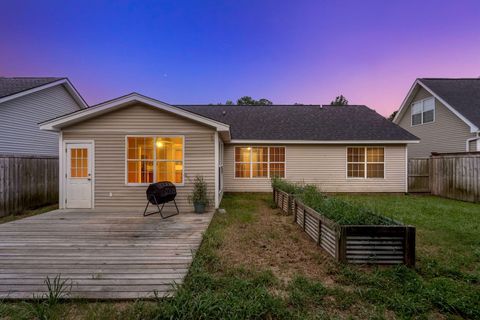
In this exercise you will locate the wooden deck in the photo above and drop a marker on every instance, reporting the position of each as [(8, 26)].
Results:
[(104, 254)]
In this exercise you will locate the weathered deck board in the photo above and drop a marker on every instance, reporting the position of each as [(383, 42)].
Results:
[(104, 254)]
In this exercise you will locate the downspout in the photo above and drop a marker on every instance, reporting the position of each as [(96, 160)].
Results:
[(472, 139)]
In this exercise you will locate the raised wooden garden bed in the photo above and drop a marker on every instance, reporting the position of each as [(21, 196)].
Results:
[(360, 244)]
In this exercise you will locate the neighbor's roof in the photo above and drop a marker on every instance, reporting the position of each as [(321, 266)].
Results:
[(462, 94), (12, 88), (303, 122), (9, 86)]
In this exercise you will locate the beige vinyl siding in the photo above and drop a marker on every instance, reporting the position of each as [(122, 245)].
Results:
[(109, 131), (19, 118), (325, 166), (473, 145), (447, 133)]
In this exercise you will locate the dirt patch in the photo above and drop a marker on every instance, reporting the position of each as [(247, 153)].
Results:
[(272, 241)]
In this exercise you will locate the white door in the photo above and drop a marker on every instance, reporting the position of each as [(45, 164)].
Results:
[(79, 175)]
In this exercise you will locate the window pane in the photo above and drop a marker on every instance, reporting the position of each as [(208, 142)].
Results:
[(428, 116), (140, 148), (375, 170), (277, 170), (375, 154), (277, 154), (417, 119), (417, 108), (78, 162), (170, 171), (356, 154), (356, 170), (259, 154), (260, 170), (140, 171), (428, 104), (169, 148), (242, 154), (242, 170)]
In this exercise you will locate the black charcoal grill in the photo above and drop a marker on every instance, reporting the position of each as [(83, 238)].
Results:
[(158, 194)]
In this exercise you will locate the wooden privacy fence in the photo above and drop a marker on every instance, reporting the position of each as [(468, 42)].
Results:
[(456, 175), (419, 175), (27, 182), (359, 244), (449, 175)]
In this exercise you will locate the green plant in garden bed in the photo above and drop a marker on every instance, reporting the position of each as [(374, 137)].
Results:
[(336, 209)]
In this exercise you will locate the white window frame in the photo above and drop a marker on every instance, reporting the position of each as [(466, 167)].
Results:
[(365, 163), (422, 101), (252, 162), (155, 136)]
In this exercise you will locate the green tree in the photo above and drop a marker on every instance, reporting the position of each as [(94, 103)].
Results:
[(249, 101), (339, 101), (392, 116)]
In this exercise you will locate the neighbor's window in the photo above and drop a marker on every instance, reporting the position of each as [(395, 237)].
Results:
[(365, 162), (151, 159), (259, 162), (423, 111)]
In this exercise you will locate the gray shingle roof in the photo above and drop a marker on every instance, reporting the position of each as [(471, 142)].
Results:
[(461, 94), (303, 122), (9, 86)]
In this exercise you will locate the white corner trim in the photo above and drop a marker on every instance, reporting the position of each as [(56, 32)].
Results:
[(270, 142), (217, 167), (61, 172), (65, 82), (406, 169), (473, 128), (57, 123)]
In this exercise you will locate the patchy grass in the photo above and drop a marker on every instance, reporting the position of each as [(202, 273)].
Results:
[(28, 213), (254, 263)]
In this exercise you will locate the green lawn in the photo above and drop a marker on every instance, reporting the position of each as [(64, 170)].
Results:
[(254, 263)]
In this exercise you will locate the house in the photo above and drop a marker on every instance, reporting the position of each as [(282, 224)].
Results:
[(110, 152), (444, 114), (24, 102)]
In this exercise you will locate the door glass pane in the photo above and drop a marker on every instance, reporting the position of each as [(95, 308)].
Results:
[(78, 162)]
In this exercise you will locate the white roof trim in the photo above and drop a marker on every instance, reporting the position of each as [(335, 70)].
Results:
[(240, 141), (57, 123), (398, 116), (65, 82)]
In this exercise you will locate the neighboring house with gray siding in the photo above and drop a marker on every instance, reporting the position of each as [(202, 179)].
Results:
[(444, 114), (24, 102), (111, 152)]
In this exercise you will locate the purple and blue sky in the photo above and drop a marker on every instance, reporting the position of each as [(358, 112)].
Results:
[(210, 51)]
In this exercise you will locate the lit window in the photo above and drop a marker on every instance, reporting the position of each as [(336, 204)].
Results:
[(423, 111), (152, 159), (259, 162), (365, 162)]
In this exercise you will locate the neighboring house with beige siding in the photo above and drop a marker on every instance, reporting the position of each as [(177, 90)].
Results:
[(111, 152), (24, 102), (444, 114)]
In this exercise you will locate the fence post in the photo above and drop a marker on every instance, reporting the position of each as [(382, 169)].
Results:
[(341, 253), (409, 246), (304, 218), (296, 209)]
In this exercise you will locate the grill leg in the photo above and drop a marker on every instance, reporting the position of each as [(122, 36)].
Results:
[(171, 215), (145, 213)]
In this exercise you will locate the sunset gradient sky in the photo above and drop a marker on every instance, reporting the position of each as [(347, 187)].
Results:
[(210, 51)]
